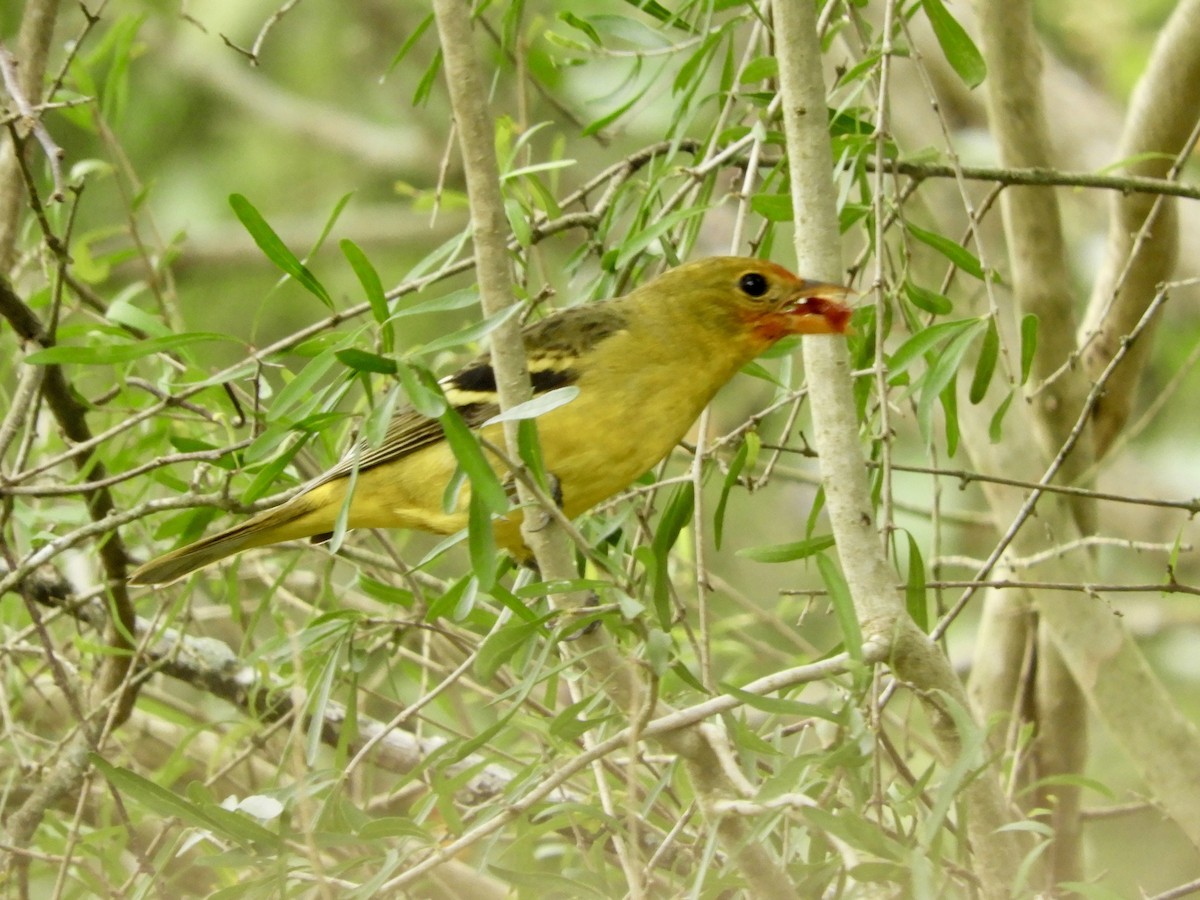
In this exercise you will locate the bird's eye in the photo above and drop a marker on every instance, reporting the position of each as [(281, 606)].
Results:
[(753, 284)]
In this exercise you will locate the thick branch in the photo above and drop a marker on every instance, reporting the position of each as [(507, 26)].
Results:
[(703, 747), (33, 47), (835, 431), (1142, 239)]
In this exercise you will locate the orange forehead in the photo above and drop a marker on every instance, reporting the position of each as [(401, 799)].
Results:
[(779, 270)]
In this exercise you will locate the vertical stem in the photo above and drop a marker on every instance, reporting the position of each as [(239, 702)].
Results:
[(913, 656)]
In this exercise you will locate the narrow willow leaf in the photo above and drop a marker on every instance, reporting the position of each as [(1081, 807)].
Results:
[(369, 279), (686, 76), (995, 432), (319, 703), (760, 68), (275, 249), (779, 705), (1029, 341), (843, 605), (985, 366), (119, 352), (300, 388), (411, 40), (472, 333), (773, 207), (962, 54), (643, 239), (676, 515), (460, 299), (735, 469), (949, 399), (500, 647), (154, 797), (362, 361), (777, 553), (952, 250), (915, 594), (425, 84), (930, 301), (421, 389), (943, 371), (481, 543), (922, 342), (484, 482), (330, 221), (582, 25)]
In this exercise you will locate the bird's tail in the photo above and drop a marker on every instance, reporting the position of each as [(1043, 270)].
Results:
[(292, 520)]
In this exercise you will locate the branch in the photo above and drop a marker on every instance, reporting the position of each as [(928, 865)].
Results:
[(33, 49), (703, 748), (880, 611), (1142, 238)]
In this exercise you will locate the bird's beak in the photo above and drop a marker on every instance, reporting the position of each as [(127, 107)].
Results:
[(815, 307)]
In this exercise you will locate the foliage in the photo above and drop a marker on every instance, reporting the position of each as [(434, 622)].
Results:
[(226, 316)]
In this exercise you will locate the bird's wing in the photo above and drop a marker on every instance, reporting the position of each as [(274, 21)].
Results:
[(553, 345)]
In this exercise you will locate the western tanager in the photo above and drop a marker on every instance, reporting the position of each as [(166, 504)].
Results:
[(646, 365)]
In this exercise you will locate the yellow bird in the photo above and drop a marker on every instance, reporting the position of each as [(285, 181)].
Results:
[(645, 364)]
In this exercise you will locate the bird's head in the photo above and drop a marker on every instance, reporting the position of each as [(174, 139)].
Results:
[(758, 298)]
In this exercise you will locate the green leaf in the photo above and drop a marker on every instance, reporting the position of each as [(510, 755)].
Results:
[(500, 647), (412, 39), (995, 433), (956, 253), (943, 371), (369, 279), (598, 125), (154, 797), (582, 25), (163, 802), (633, 247), (758, 69), (330, 221), (385, 592), (773, 207), (460, 299), (736, 465), (481, 542), (471, 333), (300, 388), (362, 361), (676, 515), (843, 605), (921, 343), (275, 249), (778, 705), (120, 352), (484, 482), (915, 598), (319, 693), (777, 553), (1029, 342), (930, 301), (985, 366), (268, 477), (425, 85), (529, 449), (696, 63), (949, 398), (422, 390), (962, 54), (660, 12)]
